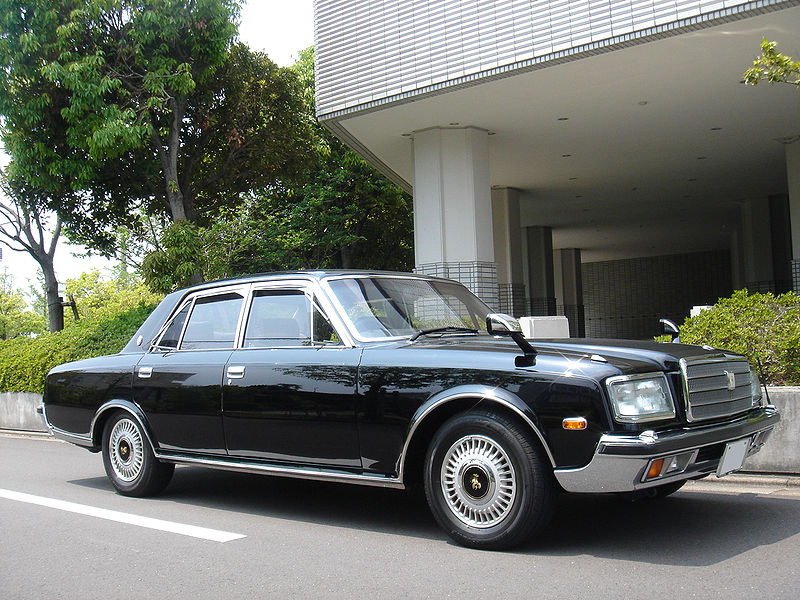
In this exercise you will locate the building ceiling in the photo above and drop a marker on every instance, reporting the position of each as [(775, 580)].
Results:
[(642, 151)]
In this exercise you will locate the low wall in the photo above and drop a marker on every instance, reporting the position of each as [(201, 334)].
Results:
[(18, 411), (780, 455)]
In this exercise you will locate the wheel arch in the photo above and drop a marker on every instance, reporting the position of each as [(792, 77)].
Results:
[(105, 412), (440, 407)]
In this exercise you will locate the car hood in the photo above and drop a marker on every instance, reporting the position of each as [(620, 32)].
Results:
[(625, 356)]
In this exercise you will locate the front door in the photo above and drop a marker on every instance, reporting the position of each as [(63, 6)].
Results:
[(289, 392)]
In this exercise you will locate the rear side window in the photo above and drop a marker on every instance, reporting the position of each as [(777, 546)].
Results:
[(212, 322)]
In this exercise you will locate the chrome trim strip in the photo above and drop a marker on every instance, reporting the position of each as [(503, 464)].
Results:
[(477, 393), (72, 438), (317, 474)]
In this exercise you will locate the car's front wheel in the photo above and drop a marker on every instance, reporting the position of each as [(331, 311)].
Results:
[(129, 461), (487, 482)]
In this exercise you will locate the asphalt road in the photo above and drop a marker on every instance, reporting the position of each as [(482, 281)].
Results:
[(295, 539)]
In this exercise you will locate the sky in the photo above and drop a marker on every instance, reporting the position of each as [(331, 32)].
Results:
[(281, 28)]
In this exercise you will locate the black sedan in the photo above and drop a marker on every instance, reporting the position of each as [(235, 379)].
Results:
[(391, 380)]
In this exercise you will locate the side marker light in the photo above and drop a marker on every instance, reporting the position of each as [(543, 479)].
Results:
[(574, 423)]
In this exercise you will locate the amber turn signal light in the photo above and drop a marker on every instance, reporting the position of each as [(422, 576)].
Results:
[(574, 423), (655, 468)]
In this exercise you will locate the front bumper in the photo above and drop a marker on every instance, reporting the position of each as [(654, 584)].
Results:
[(620, 462)]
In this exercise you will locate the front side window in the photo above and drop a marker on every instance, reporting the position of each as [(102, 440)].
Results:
[(281, 318), (383, 307)]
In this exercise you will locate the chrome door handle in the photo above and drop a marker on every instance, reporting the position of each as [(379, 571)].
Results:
[(145, 372), (235, 372)]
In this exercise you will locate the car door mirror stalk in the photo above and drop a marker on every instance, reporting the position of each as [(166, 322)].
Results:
[(502, 324)]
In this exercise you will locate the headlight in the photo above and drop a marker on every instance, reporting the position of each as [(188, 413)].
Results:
[(756, 392), (639, 398)]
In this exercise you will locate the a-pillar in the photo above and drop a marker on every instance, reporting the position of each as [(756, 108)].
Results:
[(453, 235), (508, 251), (540, 270), (793, 180), (572, 291)]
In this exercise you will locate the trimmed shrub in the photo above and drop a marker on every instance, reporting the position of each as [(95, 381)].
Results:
[(25, 362), (763, 327)]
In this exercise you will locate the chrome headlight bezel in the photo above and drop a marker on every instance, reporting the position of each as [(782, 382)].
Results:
[(662, 400)]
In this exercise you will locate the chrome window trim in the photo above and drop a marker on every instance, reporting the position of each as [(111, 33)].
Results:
[(317, 300), (241, 289), (634, 377)]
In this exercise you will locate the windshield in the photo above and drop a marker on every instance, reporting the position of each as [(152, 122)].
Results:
[(384, 307)]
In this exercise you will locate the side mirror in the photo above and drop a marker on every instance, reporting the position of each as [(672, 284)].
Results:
[(670, 328), (500, 324)]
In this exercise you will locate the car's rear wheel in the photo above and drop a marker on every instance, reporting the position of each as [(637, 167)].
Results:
[(487, 482), (129, 461)]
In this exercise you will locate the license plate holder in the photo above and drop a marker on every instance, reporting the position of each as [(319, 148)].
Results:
[(733, 456)]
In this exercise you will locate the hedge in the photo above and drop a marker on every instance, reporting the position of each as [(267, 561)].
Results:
[(25, 362), (763, 327)]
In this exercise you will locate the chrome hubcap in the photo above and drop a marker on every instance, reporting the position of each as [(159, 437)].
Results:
[(126, 450), (478, 481)]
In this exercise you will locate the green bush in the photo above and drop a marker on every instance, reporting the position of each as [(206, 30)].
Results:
[(24, 362), (763, 327)]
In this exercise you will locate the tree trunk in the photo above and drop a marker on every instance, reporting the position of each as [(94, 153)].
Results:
[(55, 308)]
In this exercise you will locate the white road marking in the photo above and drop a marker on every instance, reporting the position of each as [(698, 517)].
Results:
[(203, 533)]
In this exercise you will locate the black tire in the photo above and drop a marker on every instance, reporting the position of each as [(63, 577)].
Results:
[(128, 458), (487, 482)]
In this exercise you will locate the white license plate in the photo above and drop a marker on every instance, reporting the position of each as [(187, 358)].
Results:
[(733, 456)]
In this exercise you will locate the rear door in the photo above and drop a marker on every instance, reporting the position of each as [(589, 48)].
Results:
[(179, 382)]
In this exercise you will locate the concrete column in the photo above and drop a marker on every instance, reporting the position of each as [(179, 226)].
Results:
[(540, 270), (453, 234), (781, 242), (572, 291), (757, 246), (508, 251), (793, 181)]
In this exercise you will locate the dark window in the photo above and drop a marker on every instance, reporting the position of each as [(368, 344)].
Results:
[(172, 335), (280, 318), (212, 323)]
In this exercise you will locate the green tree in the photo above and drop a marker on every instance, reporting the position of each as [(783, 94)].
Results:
[(15, 318), (142, 104), (100, 297), (773, 66), (26, 225)]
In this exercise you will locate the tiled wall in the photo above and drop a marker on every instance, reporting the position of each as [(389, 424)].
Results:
[(368, 52), (626, 298), (479, 277), (796, 276)]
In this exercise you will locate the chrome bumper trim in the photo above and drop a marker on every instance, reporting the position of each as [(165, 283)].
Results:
[(284, 470), (619, 461)]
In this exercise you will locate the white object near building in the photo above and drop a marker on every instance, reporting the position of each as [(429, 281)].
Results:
[(545, 327)]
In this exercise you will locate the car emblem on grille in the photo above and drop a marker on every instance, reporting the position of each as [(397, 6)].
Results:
[(731, 380)]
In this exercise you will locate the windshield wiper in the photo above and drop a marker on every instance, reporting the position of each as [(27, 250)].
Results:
[(447, 329)]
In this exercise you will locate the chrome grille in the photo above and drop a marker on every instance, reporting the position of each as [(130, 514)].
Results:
[(706, 386)]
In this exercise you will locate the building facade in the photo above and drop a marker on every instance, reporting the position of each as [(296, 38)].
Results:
[(599, 159)]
